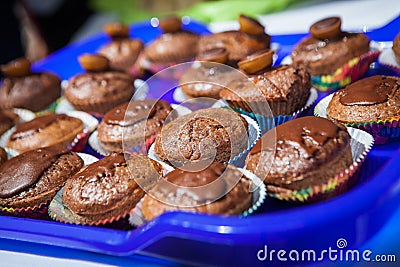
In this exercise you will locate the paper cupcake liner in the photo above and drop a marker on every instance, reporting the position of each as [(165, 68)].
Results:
[(36, 212), (383, 131), (350, 72), (361, 143), (58, 211), (267, 123), (24, 114), (89, 124), (258, 189), (388, 59), (254, 135)]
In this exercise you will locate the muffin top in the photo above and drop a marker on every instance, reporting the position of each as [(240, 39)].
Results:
[(103, 185), (302, 146), (204, 135), (98, 85), (328, 47), (3, 156), (36, 125), (217, 189), (122, 52), (138, 111), (286, 83), (22, 88), (238, 44), (370, 99), (36, 174)]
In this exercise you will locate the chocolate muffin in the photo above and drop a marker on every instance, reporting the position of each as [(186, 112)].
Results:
[(3, 156), (218, 189), (43, 131), (308, 151), (34, 177), (211, 134), (396, 47), (108, 188), (7, 120), (174, 45), (122, 51), (22, 88), (370, 99), (99, 89), (239, 44), (328, 48), (285, 88), (141, 121), (207, 77)]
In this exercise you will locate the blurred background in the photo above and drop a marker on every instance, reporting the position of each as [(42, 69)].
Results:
[(36, 28)]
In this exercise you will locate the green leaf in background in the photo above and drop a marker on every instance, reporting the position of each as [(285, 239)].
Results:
[(206, 11)]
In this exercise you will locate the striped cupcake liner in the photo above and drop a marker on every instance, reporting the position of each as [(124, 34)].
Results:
[(361, 143), (383, 131), (268, 122), (350, 72), (257, 189)]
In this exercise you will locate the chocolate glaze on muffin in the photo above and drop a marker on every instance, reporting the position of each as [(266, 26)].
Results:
[(44, 131), (308, 152), (212, 134), (109, 188), (285, 88), (100, 89), (122, 51), (217, 189), (7, 120), (24, 89), (34, 177), (370, 99), (329, 48), (396, 47), (144, 119), (3, 156)]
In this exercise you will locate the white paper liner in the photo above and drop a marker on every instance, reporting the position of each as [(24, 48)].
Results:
[(388, 59), (24, 114), (95, 144), (141, 91), (87, 158), (254, 135), (258, 190), (320, 108), (89, 124)]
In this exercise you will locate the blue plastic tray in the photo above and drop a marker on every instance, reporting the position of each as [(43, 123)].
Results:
[(356, 215)]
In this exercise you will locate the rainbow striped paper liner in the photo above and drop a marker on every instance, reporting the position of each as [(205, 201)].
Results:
[(257, 188), (350, 72), (58, 211), (383, 131), (254, 135), (266, 123), (361, 143), (388, 59), (40, 211)]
